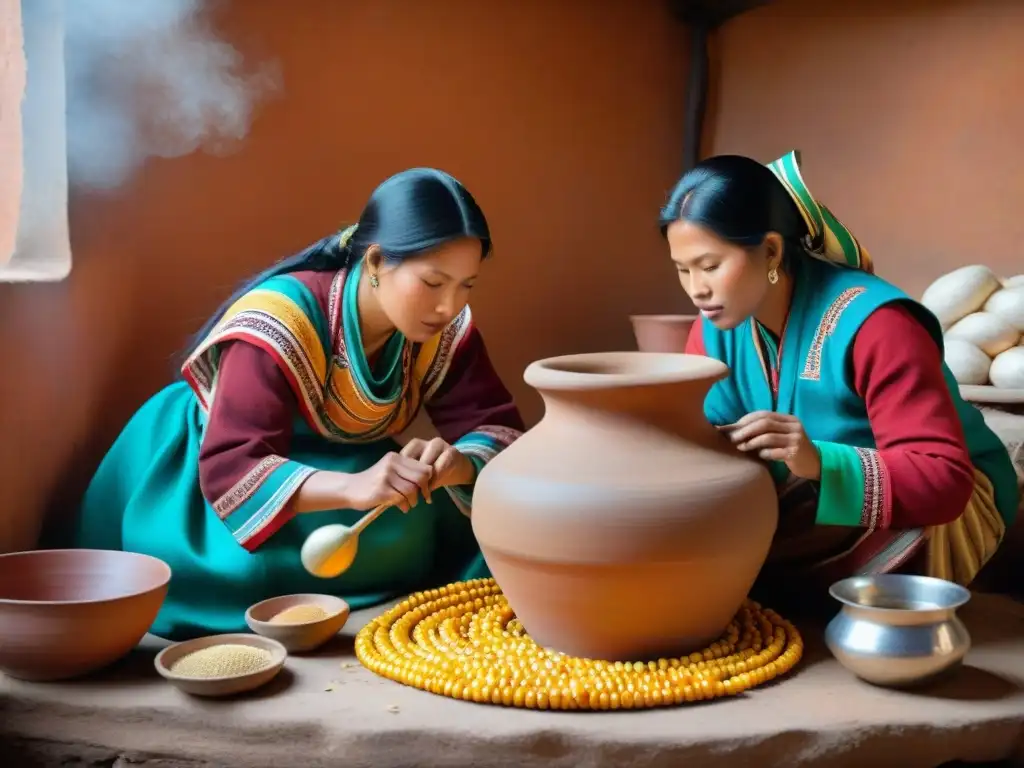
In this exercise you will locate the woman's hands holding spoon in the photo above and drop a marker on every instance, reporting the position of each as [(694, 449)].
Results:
[(395, 480), (399, 479), (449, 465)]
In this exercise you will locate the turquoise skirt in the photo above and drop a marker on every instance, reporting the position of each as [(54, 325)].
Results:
[(145, 497)]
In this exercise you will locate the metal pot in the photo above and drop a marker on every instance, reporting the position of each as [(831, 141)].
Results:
[(898, 630)]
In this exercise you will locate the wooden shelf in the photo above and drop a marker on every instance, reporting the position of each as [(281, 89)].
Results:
[(988, 394)]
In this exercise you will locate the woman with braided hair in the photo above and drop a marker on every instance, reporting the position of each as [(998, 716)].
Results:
[(286, 416)]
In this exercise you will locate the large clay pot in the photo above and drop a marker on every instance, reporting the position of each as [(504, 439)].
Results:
[(662, 333), (624, 526)]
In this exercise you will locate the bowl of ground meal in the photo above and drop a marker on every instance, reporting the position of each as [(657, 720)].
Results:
[(221, 665), (68, 612), (301, 623)]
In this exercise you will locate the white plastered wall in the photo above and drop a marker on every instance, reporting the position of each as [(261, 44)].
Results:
[(34, 238)]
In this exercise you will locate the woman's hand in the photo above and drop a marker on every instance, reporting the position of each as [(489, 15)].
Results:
[(779, 437), (395, 480), (450, 466)]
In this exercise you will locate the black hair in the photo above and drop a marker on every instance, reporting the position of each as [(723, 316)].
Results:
[(738, 199), (408, 215)]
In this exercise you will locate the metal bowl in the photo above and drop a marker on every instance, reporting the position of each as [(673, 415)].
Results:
[(898, 630)]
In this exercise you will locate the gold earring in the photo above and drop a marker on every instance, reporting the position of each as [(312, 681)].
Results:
[(375, 283), (773, 275)]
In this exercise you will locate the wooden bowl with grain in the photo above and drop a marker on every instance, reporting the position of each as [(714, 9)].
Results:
[(301, 623), (230, 664)]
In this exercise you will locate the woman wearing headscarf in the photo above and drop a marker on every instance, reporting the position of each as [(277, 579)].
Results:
[(837, 381)]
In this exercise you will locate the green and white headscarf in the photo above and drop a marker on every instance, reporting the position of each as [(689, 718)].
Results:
[(829, 238), (346, 235)]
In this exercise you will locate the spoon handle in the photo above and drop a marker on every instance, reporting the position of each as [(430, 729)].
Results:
[(368, 518)]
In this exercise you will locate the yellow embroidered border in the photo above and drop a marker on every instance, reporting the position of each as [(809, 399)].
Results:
[(826, 327)]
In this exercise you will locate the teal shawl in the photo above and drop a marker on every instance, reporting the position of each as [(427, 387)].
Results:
[(829, 305)]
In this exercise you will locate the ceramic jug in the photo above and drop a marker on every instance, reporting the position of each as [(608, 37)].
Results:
[(624, 526)]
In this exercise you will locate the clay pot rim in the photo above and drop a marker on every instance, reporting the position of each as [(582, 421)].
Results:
[(666, 318), (635, 369), (164, 580)]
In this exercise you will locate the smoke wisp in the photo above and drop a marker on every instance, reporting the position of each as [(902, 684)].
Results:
[(151, 78)]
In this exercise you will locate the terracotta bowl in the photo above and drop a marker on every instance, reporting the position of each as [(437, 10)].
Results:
[(68, 612), (662, 333), (221, 686), (298, 638)]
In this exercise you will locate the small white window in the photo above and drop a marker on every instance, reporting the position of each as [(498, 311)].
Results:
[(34, 187)]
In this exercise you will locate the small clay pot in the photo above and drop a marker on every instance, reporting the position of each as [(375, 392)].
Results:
[(298, 638), (662, 333), (624, 526), (68, 612)]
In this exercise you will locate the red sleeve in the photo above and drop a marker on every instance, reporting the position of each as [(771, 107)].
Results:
[(472, 395), (248, 431), (695, 341), (897, 370), (473, 411)]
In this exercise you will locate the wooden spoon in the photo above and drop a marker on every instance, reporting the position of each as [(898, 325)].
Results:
[(330, 550)]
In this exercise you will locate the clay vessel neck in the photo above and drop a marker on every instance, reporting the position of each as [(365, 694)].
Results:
[(663, 391)]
